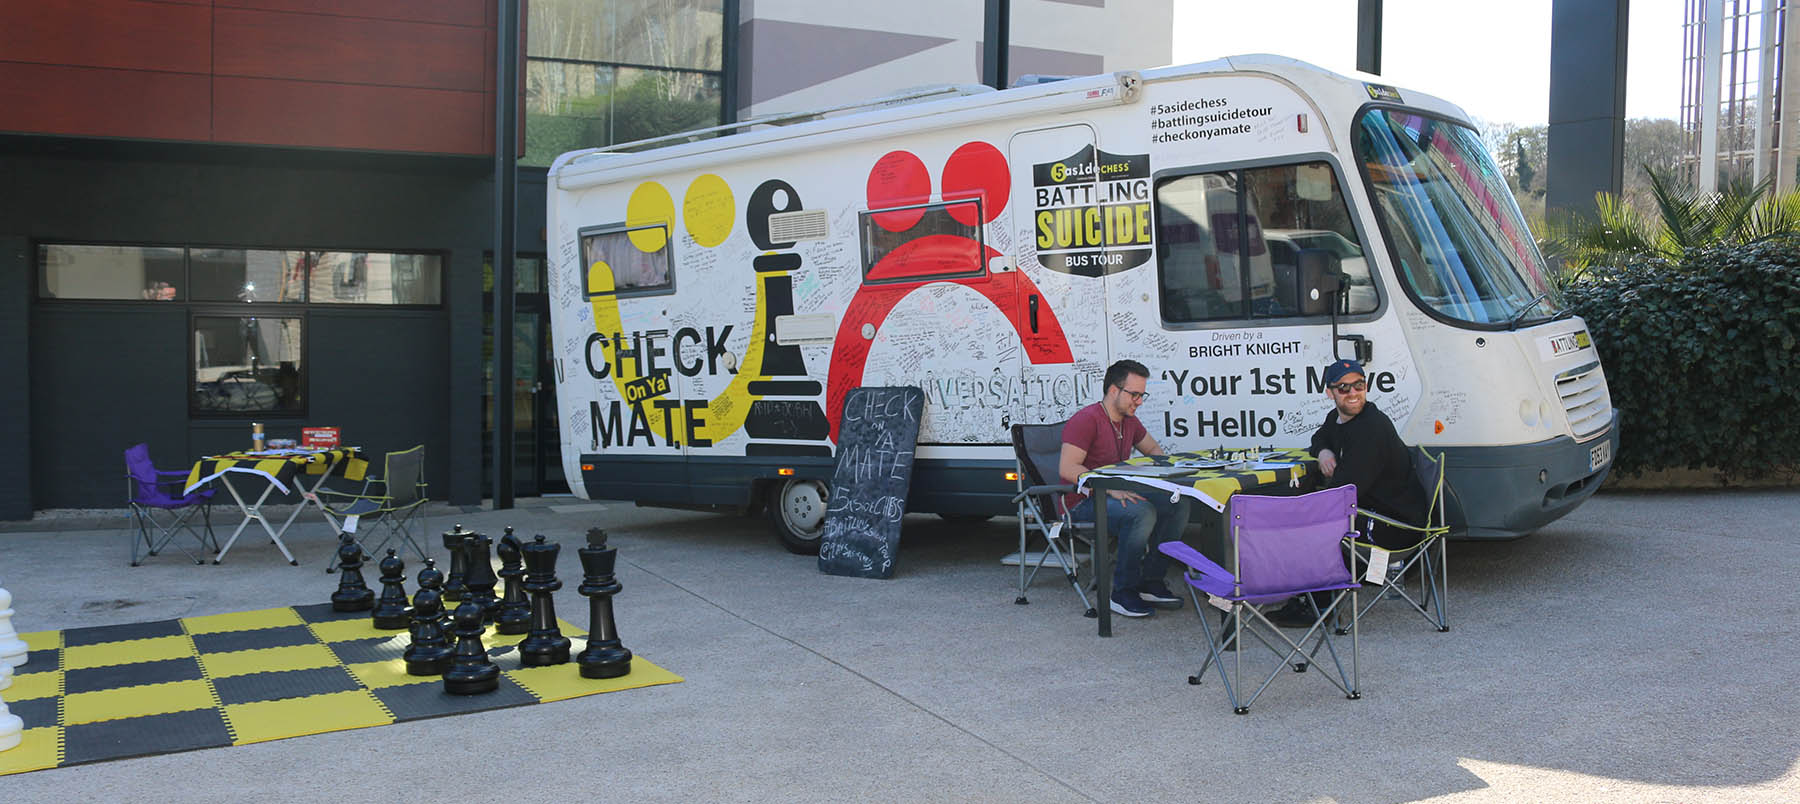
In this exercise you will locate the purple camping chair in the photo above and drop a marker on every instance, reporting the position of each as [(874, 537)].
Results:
[(149, 490), (1280, 547)]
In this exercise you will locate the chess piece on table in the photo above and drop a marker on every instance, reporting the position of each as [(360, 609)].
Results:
[(352, 594), (471, 671), (390, 608), (603, 657), (478, 574), (13, 650), (453, 584), (429, 653), (12, 727), (545, 645), (515, 609)]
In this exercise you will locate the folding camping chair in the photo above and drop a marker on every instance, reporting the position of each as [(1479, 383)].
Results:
[(1280, 547), (1038, 448), (402, 493), (148, 490), (1431, 573)]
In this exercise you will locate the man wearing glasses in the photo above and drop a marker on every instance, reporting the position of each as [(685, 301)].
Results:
[(1358, 444), (1105, 433)]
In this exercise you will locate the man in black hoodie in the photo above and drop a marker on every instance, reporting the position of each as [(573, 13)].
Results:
[(1357, 444)]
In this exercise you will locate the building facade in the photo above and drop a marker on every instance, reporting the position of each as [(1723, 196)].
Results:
[(1734, 94), (220, 212)]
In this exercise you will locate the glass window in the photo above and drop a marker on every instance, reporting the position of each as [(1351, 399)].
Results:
[(111, 272), (362, 277), (651, 33), (248, 275), (528, 274), (922, 241), (628, 261), (1458, 239), (1228, 243), (248, 364), (572, 105)]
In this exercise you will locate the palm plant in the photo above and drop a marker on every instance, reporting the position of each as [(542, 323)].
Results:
[(1685, 218)]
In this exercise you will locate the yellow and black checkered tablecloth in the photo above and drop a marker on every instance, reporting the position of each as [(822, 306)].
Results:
[(279, 468), (1215, 485)]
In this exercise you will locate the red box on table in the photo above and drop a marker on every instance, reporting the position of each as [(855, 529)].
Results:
[(319, 437)]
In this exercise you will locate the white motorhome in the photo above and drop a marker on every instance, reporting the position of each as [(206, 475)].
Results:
[(714, 298)]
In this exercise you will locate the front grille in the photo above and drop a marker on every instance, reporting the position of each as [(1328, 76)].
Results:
[(1585, 399)]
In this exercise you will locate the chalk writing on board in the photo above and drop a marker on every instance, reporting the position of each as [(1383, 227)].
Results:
[(879, 431)]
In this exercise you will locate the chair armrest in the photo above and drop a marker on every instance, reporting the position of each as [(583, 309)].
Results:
[(1033, 491), (1427, 532), (1182, 552)]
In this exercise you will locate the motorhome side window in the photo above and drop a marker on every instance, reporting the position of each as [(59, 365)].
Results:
[(635, 260), (1228, 242), (922, 241)]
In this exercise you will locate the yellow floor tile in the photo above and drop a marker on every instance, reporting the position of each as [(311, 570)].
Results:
[(345, 630), (273, 720), (148, 699), (37, 749), (42, 640), (562, 681), (378, 675), (262, 660), (242, 621), (32, 686), (131, 651)]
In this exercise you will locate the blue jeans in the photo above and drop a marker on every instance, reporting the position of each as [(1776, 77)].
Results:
[(1136, 529)]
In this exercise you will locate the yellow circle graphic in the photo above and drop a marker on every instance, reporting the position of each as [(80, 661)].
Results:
[(650, 205), (707, 210)]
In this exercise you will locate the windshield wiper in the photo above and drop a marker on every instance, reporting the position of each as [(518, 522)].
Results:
[(1513, 323)]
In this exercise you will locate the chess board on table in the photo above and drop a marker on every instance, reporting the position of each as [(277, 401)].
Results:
[(110, 692)]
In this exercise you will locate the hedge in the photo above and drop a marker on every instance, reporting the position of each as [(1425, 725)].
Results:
[(1700, 358)]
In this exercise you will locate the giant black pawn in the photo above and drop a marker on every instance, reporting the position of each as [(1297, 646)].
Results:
[(545, 645), (515, 609), (471, 672), (603, 657), (429, 653), (390, 608), (478, 574), (352, 593), (453, 542)]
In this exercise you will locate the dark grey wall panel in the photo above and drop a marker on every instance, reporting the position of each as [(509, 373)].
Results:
[(15, 362), (1586, 138)]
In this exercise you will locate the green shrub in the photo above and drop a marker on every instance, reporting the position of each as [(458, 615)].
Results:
[(1700, 357)]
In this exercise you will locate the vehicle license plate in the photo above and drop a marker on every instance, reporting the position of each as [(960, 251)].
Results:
[(1599, 455), (1559, 345)]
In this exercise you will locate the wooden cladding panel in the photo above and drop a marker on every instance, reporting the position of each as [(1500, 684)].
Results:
[(89, 102), (470, 13), (128, 34), (309, 114), (311, 47)]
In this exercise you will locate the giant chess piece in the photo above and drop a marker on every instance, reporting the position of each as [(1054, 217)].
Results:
[(603, 657), (453, 542), (515, 609), (352, 593), (478, 574), (12, 727), (13, 650), (471, 671), (390, 608), (545, 645), (429, 652)]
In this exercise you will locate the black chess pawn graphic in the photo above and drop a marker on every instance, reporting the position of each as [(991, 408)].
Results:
[(390, 608), (429, 652), (453, 584), (352, 593), (515, 609), (603, 657), (545, 645), (478, 574), (471, 671)]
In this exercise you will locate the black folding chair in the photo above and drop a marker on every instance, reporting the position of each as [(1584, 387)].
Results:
[(386, 505), (1042, 513)]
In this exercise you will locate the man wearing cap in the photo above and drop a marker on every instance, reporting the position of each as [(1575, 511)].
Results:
[(1105, 433), (1358, 444)]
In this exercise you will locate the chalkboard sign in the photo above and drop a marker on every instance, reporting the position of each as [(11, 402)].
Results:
[(876, 436)]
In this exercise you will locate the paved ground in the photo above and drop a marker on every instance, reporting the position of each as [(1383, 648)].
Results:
[(1640, 650)]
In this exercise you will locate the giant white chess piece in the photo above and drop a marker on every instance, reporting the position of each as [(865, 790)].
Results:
[(12, 648), (11, 727)]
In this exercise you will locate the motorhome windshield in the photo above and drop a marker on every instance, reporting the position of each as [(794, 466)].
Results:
[(1458, 239)]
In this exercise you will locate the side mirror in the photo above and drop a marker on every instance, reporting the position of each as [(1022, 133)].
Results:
[(1321, 279)]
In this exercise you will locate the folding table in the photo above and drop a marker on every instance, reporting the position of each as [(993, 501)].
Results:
[(1209, 479), (278, 467)]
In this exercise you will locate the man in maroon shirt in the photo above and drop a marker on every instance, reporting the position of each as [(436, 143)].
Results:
[(1105, 433)]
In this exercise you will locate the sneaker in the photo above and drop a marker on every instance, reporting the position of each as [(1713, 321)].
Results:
[(1293, 614), (1125, 603), (1157, 594)]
